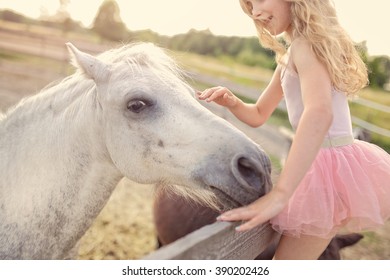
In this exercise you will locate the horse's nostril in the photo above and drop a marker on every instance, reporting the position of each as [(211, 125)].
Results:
[(251, 175), (245, 167)]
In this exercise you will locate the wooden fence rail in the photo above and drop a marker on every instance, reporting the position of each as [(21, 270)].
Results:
[(371, 127), (218, 241)]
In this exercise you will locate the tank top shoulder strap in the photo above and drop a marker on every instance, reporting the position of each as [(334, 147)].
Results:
[(285, 63)]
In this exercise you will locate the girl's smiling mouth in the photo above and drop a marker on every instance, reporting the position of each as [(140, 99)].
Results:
[(266, 20)]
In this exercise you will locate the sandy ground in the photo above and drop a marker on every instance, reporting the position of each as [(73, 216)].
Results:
[(124, 229)]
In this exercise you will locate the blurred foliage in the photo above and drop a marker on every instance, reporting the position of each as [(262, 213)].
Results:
[(108, 23), (9, 15), (379, 71), (63, 23), (246, 50)]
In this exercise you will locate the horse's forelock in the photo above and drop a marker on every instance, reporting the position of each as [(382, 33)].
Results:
[(144, 54), (137, 54)]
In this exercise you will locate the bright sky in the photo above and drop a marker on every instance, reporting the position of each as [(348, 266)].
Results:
[(364, 20)]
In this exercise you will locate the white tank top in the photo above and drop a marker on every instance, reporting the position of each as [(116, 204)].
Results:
[(341, 125)]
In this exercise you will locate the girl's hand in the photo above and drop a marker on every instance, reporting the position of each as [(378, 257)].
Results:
[(219, 95), (259, 211)]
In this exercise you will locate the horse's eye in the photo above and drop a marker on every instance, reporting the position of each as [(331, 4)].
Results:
[(136, 106)]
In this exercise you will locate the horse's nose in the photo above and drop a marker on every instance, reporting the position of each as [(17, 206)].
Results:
[(253, 173)]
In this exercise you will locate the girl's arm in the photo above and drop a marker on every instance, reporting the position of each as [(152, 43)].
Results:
[(316, 118), (313, 126), (251, 114)]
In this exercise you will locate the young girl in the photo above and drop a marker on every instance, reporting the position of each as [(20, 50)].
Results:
[(330, 180)]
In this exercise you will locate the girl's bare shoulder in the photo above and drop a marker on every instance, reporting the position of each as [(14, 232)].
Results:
[(302, 52), (300, 46)]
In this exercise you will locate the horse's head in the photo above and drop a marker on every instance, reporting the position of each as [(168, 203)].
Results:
[(155, 131)]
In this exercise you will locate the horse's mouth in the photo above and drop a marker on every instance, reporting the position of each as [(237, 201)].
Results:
[(225, 201), (228, 200)]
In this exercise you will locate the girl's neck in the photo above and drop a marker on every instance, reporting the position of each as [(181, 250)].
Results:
[(289, 33)]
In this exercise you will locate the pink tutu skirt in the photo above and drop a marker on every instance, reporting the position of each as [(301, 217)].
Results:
[(346, 187)]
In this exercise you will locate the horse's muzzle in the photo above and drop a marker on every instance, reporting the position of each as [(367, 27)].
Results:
[(253, 173)]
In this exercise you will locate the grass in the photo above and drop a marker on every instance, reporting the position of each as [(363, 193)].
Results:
[(40, 65), (10, 56), (378, 118), (255, 77), (376, 95)]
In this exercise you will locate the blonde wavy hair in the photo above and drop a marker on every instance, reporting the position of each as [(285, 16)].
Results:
[(316, 21)]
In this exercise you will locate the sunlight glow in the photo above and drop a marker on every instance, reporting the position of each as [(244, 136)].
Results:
[(222, 17)]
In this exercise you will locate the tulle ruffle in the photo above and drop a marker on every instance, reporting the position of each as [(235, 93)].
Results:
[(346, 187)]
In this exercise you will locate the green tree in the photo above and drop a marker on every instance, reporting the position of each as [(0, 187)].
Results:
[(108, 23), (10, 15), (379, 71)]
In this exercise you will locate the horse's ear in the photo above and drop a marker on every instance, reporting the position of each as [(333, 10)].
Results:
[(91, 66)]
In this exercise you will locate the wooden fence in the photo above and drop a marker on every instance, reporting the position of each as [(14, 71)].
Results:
[(218, 241)]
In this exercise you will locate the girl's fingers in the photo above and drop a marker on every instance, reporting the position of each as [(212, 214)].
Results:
[(206, 93), (212, 93), (256, 221), (251, 217), (216, 94), (238, 214), (219, 95)]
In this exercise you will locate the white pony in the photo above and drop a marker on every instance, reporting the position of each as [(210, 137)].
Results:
[(127, 113)]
